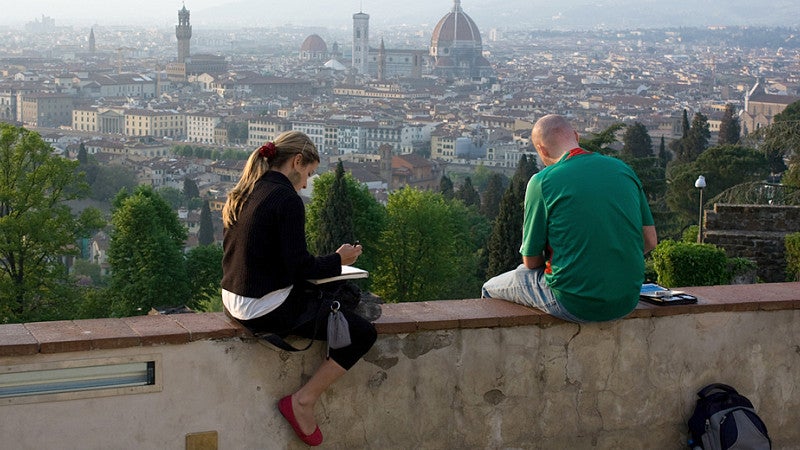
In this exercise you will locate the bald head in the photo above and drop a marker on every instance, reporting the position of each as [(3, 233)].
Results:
[(552, 135)]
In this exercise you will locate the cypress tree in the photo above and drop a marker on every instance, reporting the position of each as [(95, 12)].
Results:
[(190, 189), (506, 237), (467, 194), (490, 206), (729, 128), (336, 226), (83, 157), (206, 234), (446, 187)]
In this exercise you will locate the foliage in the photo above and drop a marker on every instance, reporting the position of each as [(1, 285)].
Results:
[(729, 128), (190, 189), (690, 264), (792, 243), (432, 249), (107, 181), (368, 217), (690, 234), (600, 142), (467, 194), (205, 236), (506, 237), (172, 196), (740, 269), (636, 141), (204, 271), (493, 195), (723, 167), (446, 187), (336, 225), (37, 227), (146, 254), (695, 142)]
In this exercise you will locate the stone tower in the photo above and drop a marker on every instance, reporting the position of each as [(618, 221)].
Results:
[(183, 31), (360, 42), (381, 61), (92, 43)]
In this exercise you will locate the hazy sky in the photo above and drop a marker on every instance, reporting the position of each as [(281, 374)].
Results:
[(541, 14)]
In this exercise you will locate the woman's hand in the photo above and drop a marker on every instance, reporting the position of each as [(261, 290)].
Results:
[(349, 253)]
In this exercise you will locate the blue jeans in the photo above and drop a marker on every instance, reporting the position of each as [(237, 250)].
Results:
[(527, 287)]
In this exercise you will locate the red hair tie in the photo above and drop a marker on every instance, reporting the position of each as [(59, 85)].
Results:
[(267, 150)]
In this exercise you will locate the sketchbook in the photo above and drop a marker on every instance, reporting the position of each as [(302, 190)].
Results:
[(659, 295), (348, 273)]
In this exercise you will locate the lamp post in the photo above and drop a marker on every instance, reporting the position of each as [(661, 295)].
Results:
[(700, 184)]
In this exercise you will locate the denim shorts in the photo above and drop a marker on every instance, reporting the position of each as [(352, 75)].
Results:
[(527, 287)]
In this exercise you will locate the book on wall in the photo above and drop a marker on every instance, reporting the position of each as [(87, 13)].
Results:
[(348, 273), (659, 295)]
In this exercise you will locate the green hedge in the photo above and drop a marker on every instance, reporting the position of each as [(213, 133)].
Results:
[(792, 243), (690, 264)]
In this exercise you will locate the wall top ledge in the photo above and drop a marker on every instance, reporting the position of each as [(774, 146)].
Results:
[(84, 335)]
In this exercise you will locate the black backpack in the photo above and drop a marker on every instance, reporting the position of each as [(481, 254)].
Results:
[(724, 419)]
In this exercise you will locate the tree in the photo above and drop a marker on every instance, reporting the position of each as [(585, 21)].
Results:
[(729, 128), (446, 187), (600, 142), (429, 241), (336, 227), (190, 189), (37, 228), (723, 167), (146, 254), (685, 126), (636, 141), (664, 156), (367, 214), (204, 271), (506, 237), (83, 157), (109, 180), (495, 187), (467, 194), (696, 140), (780, 139), (205, 235)]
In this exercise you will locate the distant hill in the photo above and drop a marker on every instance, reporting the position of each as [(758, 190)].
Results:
[(533, 14)]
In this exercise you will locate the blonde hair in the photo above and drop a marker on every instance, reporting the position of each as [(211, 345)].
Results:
[(287, 145)]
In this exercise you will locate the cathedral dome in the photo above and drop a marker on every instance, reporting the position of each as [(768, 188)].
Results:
[(314, 44), (456, 48), (455, 29), (313, 48)]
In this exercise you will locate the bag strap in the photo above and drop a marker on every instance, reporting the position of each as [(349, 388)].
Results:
[(715, 386), (278, 340)]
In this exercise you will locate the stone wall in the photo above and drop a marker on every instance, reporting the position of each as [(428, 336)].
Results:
[(471, 374), (755, 232)]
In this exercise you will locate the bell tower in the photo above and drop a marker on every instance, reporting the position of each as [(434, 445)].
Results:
[(360, 42), (183, 31)]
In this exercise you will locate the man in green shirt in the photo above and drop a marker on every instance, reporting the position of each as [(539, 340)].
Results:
[(586, 229)]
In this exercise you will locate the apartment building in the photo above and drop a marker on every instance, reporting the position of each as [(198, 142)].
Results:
[(265, 129), (46, 109), (163, 123), (200, 127)]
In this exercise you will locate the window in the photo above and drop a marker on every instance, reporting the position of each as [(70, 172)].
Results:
[(69, 380)]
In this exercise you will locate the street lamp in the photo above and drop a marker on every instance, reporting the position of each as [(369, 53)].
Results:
[(700, 184)]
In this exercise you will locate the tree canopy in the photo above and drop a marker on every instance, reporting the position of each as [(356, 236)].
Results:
[(37, 226), (146, 254), (636, 141)]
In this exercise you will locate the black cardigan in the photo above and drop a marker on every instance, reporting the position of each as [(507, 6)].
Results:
[(265, 250)]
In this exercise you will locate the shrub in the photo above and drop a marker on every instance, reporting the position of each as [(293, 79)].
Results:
[(690, 264), (792, 244), (742, 270), (690, 234)]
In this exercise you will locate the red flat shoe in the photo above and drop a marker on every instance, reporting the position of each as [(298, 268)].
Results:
[(285, 407)]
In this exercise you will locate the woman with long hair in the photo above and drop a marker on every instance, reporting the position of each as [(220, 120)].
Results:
[(266, 262)]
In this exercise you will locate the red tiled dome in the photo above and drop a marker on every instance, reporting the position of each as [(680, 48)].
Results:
[(314, 44), (456, 27)]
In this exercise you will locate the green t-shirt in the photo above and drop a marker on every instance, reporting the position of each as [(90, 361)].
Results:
[(585, 214)]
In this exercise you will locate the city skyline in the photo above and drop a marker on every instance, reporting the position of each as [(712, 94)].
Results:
[(511, 14)]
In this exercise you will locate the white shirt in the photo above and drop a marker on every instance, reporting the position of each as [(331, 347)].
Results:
[(246, 308)]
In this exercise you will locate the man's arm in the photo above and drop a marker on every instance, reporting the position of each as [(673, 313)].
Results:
[(650, 238), (532, 262)]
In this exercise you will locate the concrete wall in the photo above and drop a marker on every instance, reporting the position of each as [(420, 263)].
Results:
[(755, 232), (629, 384)]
